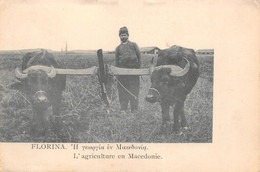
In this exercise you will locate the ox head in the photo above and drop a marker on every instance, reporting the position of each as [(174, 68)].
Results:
[(173, 55), (35, 82), (166, 79)]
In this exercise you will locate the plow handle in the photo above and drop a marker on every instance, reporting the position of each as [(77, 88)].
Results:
[(102, 76)]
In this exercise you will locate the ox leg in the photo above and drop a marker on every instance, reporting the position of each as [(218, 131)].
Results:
[(165, 118), (56, 109), (56, 103), (39, 127), (178, 111), (183, 119), (165, 113), (56, 120)]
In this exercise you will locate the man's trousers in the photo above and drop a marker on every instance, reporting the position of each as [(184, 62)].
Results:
[(132, 84)]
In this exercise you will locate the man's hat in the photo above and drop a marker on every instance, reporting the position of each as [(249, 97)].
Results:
[(123, 30)]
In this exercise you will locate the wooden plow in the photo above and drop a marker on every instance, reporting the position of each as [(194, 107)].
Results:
[(102, 78)]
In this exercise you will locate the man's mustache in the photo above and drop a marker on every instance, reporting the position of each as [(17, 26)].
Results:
[(123, 39)]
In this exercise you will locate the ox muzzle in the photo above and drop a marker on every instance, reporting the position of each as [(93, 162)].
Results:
[(153, 96), (40, 99)]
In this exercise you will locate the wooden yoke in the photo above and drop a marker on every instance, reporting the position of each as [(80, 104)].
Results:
[(102, 77), (125, 71), (89, 71)]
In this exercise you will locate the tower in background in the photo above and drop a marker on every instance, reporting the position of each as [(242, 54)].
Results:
[(66, 48)]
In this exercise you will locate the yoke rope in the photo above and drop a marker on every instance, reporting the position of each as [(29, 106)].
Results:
[(125, 88)]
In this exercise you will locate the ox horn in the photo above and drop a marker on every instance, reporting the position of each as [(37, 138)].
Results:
[(180, 72), (52, 73), (19, 74)]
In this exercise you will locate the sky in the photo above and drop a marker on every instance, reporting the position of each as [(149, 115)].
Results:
[(93, 24)]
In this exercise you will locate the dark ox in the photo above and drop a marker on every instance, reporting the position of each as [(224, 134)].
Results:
[(172, 79), (38, 80)]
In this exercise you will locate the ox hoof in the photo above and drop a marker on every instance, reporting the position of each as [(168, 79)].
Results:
[(183, 124), (165, 128), (175, 127), (123, 112), (180, 133)]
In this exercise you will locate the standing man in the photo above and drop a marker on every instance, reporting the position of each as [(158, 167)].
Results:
[(128, 56)]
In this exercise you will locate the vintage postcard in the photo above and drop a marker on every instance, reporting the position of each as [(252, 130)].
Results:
[(113, 85)]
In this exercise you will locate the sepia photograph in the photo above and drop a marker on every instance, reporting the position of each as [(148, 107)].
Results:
[(115, 85), (143, 90)]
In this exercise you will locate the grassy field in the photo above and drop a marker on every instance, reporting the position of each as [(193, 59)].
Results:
[(84, 115)]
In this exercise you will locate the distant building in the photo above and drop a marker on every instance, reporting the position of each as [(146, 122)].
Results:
[(149, 50), (205, 52)]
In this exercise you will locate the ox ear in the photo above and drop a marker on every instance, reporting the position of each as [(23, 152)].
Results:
[(18, 86)]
